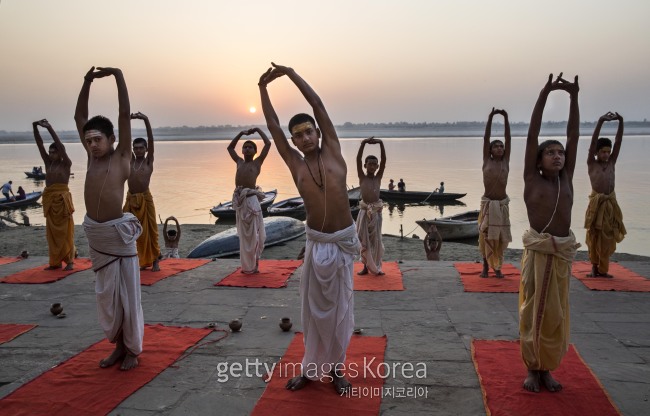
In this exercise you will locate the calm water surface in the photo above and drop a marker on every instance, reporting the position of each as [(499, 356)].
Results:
[(190, 177)]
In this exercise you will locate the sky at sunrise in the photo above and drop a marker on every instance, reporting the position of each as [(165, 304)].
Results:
[(197, 62)]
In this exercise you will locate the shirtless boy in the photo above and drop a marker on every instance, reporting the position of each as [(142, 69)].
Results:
[(604, 219), (139, 200), (319, 172), (112, 234), (549, 244), (370, 219), (432, 243), (494, 218), (172, 238), (246, 199), (57, 200)]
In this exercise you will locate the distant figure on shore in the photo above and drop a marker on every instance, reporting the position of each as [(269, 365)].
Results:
[(21, 194), (331, 245), (401, 185), (172, 239), (391, 185), (549, 244), (370, 217), (139, 200), (6, 189), (432, 243), (441, 189), (246, 199), (494, 217), (111, 233), (604, 219), (57, 199)]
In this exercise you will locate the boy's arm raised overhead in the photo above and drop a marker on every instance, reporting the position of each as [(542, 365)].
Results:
[(573, 124), (81, 111), (39, 142), (382, 163), (362, 146), (124, 146), (618, 140), (150, 141), (231, 147), (267, 145), (488, 135), (506, 134)]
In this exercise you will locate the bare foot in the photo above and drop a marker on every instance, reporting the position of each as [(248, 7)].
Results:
[(531, 383), (69, 266), (296, 383), (549, 382), (364, 271), (156, 266), (380, 273), (118, 353), (486, 269), (52, 267), (130, 362), (341, 384), (143, 268), (499, 274)]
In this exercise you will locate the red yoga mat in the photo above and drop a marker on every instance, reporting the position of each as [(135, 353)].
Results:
[(273, 274), (472, 282), (169, 267), (392, 280), (11, 331), (37, 275), (7, 260), (79, 386), (501, 372), (624, 280), (319, 398)]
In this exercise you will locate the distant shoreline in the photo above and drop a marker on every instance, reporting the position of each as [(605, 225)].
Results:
[(351, 130)]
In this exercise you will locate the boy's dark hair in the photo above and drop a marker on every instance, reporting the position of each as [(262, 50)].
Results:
[(300, 118), (54, 146), (543, 145), (101, 124), (252, 143), (493, 142), (603, 142), (371, 157), (171, 233), (140, 140)]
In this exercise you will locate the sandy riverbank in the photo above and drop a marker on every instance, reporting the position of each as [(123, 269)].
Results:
[(18, 238)]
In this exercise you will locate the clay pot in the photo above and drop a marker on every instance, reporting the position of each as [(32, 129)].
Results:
[(285, 324), (235, 325), (56, 309), (24, 254)]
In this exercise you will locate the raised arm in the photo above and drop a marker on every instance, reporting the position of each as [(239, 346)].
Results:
[(147, 124), (231, 147), (267, 145), (360, 172), (39, 142), (573, 124), (124, 145), (59, 146), (382, 162), (591, 154), (530, 157), (506, 134), (81, 111), (272, 122), (618, 140), (488, 135)]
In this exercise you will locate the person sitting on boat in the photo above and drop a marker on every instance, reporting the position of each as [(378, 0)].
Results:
[(172, 238), (246, 199), (391, 185), (440, 190), (6, 189), (21, 194), (401, 185), (369, 219)]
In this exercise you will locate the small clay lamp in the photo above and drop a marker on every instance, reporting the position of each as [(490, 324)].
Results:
[(235, 325), (286, 324), (56, 309)]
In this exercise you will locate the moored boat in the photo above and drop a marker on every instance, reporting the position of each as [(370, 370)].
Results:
[(292, 207), (418, 196), (30, 198), (454, 227), (225, 210), (36, 175)]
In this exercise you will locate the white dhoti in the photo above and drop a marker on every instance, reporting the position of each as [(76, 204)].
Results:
[(369, 231), (171, 253), (114, 255), (250, 226), (326, 288)]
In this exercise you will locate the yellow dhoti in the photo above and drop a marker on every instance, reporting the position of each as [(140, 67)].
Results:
[(141, 205), (59, 224), (544, 299), (604, 224), (494, 230)]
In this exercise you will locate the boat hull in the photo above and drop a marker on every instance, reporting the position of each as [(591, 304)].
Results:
[(456, 227), (226, 243), (226, 210), (418, 197), (30, 198)]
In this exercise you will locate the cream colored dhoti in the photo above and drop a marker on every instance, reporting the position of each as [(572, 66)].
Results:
[(326, 288), (544, 299), (250, 226), (59, 224), (117, 287), (604, 224), (494, 230), (369, 223)]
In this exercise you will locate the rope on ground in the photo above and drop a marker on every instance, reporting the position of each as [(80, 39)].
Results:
[(203, 344)]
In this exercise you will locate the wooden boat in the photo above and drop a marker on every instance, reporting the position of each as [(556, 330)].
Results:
[(30, 198), (226, 210), (37, 176), (292, 207), (226, 243), (354, 196), (418, 196), (454, 227)]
